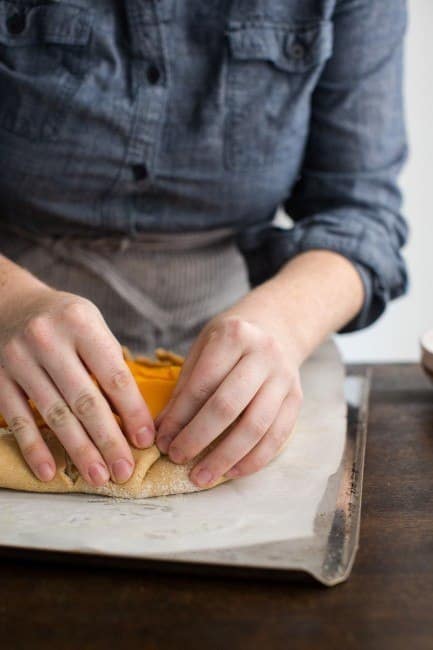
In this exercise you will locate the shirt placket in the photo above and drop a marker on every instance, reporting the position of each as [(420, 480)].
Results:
[(149, 80)]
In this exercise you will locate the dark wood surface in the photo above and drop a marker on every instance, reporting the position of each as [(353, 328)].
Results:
[(386, 603)]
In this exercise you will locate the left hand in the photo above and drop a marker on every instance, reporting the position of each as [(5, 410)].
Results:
[(240, 372)]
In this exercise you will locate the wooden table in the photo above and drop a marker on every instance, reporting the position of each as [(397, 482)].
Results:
[(386, 603)]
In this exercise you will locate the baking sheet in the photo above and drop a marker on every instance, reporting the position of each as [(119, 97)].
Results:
[(282, 517)]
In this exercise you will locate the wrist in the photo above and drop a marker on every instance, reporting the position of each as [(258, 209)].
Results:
[(310, 297), (16, 281)]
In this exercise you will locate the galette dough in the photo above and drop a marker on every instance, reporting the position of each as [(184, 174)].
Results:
[(154, 474)]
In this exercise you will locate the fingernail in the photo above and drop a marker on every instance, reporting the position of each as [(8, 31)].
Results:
[(176, 455), (203, 477), (45, 471), (164, 443), (122, 470), (232, 472), (98, 473), (144, 437)]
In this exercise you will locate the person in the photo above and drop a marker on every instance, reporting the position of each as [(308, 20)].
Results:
[(146, 148)]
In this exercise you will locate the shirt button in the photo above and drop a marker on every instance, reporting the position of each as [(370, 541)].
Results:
[(153, 74), (297, 51), (16, 23), (140, 172)]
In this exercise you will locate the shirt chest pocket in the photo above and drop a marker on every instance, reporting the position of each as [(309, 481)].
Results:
[(42, 64), (272, 69)]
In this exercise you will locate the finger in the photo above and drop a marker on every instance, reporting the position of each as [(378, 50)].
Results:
[(20, 420), (229, 400), (60, 419), (91, 408), (272, 441), (186, 369), (221, 352), (256, 420), (102, 355)]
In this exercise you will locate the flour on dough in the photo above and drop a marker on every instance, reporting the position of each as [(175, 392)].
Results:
[(154, 474)]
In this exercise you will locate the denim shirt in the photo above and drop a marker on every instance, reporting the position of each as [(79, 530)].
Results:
[(182, 115)]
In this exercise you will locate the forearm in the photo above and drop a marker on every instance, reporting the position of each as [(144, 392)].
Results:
[(314, 294), (15, 280)]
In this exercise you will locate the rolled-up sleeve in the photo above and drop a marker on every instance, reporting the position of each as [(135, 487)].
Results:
[(346, 198)]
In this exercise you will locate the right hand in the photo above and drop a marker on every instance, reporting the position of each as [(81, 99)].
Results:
[(49, 340)]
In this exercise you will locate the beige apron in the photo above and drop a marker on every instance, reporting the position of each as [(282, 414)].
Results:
[(154, 289)]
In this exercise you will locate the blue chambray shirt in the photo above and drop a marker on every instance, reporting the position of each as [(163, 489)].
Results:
[(174, 115)]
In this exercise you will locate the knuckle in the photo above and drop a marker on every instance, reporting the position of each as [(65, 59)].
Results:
[(223, 407), (19, 425), (233, 328), (222, 462), (38, 330), (108, 444), (31, 449), (271, 345), (77, 312), (120, 379), (85, 404), (210, 331), (199, 392), (57, 415), (289, 376), (11, 352), (82, 452), (137, 411), (99, 437), (257, 426)]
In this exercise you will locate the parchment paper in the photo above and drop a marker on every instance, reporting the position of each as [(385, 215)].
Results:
[(278, 503)]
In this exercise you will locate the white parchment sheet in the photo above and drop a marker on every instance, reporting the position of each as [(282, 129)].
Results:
[(278, 503)]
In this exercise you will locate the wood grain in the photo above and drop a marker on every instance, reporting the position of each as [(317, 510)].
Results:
[(386, 603)]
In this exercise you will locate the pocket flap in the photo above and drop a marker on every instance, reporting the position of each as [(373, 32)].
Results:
[(28, 24), (294, 48)]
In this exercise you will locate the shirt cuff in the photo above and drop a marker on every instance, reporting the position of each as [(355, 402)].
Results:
[(267, 247), (371, 303)]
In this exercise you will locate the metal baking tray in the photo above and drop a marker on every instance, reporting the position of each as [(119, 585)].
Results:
[(328, 556)]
